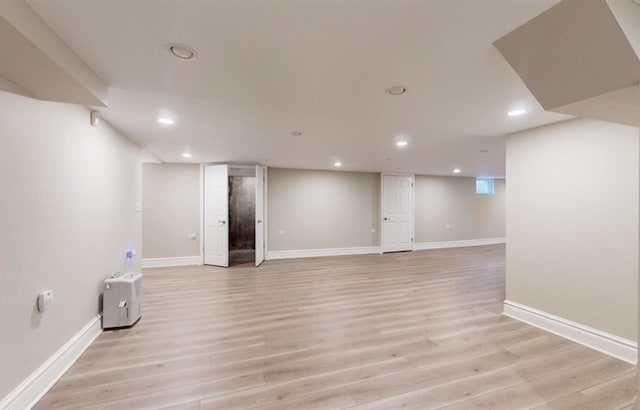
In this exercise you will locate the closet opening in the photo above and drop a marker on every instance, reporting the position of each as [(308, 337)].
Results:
[(242, 215), (233, 214)]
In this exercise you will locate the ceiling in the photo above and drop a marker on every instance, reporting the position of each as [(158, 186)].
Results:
[(267, 68)]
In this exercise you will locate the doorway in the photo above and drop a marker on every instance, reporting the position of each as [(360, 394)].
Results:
[(233, 214), (242, 218), (397, 212)]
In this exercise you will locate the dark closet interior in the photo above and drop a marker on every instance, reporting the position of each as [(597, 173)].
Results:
[(242, 216)]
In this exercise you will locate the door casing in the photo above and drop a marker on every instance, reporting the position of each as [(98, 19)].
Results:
[(260, 224)]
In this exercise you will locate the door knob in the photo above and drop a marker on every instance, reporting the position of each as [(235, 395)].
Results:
[(259, 221), (386, 219), (222, 222)]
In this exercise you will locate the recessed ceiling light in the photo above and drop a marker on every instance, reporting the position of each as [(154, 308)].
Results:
[(296, 133), (401, 143), (181, 51), (337, 164), (165, 121), (397, 90), (515, 113), (456, 170), (186, 155)]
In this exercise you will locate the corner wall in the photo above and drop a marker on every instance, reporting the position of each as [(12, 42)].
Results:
[(69, 201), (448, 209), (572, 223), (171, 205)]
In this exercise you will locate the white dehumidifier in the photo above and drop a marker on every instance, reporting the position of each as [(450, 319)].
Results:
[(122, 300)]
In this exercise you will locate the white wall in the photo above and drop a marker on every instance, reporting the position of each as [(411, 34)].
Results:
[(68, 214), (321, 209), (171, 205), (448, 209), (572, 223)]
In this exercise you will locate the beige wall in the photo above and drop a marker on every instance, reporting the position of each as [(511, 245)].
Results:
[(171, 210), (318, 209), (69, 199), (572, 223), (325, 209), (321, 209), (448, 209)]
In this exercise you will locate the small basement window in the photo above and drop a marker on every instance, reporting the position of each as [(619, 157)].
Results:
[(484, 186)]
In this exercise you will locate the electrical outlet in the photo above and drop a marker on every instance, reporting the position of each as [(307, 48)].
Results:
[(45, 299)]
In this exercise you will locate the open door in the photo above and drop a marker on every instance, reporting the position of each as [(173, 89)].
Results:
[(397, 213), (259, 215), (216, 215)]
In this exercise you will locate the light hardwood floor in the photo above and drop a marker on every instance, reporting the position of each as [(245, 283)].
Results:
[(412, 330)]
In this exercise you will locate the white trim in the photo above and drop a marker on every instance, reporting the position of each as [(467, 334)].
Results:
[(201, 245), (312, 253), (618, 347), (27, 394), (459, 244), (177, 261), (266, 207)]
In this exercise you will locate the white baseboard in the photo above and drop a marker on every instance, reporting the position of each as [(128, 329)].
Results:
[(177, 261), (618, 347), (312, 253), (27, 394), (459, 244)]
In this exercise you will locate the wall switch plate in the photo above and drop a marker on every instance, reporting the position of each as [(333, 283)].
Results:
[(45, 299)]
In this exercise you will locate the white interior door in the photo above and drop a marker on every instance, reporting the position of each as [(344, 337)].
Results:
[(259, 215), (216, 215), (397, 213)]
